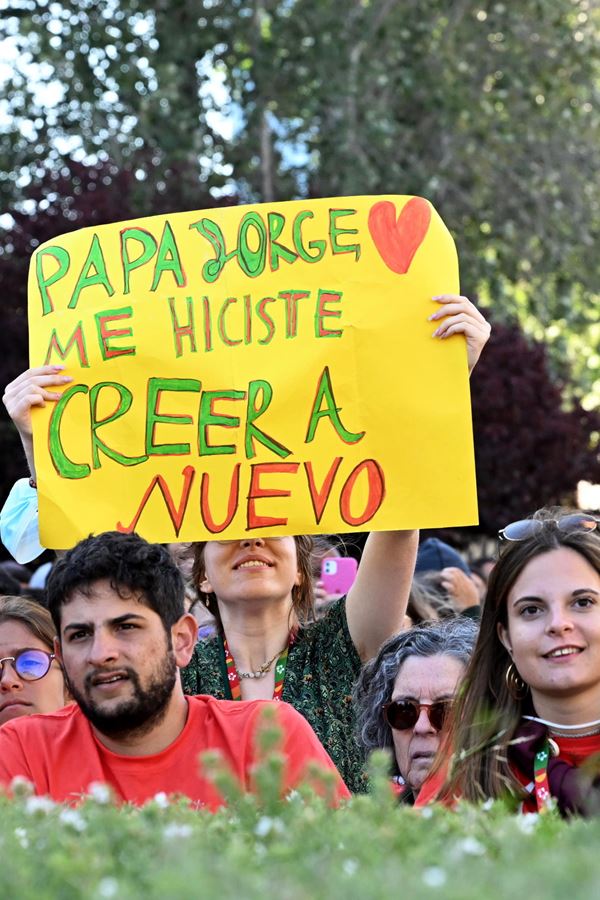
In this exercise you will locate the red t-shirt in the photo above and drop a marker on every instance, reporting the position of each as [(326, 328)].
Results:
[(60, 754)]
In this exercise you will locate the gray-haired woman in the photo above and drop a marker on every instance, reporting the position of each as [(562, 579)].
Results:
[(404, 693)]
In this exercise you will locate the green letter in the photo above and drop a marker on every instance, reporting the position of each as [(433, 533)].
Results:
[(63, 260), (94, 260), (325, 392), (252, 262), (209, 417), (105, 334), (334, 231), (125, 401), (65, 467), (210, 230), (148, 250), (253, 413), (276, 223), (155, 387), (168, 259), (319, 246)]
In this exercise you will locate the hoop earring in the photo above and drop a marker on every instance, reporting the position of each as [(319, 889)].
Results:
[(515, 685)]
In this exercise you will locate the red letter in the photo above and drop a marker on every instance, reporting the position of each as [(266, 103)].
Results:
[(319, 498), (175, 514), (232, 503), (256, 492), (376, 492), (77, 339)]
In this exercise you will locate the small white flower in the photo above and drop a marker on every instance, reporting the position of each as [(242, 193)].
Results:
[(39, 805), (99, 792), (21, 786), (527, 822), (266, 825), (426, 812), (487, 804), (434, 876), (74, 819), (175, 831), (161, 799), (471, 846), (263, 826), (108, 887), (350, 867), (21, 836)]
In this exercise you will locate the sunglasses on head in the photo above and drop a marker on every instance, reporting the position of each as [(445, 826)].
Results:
[(30, 665), (528, 528), (403, 714)]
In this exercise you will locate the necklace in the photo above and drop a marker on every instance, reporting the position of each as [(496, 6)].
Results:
[(262, 670), (585, 729), (233, 676)]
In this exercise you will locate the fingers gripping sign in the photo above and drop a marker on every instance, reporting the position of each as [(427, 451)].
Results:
[(459, 316), (34, 387)]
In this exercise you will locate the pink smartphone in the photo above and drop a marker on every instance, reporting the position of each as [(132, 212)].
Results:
[(338, 574)]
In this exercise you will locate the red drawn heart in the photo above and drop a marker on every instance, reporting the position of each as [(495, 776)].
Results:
[(398, 240)]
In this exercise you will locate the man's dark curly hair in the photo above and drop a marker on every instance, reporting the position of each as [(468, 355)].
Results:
[(129, 563)]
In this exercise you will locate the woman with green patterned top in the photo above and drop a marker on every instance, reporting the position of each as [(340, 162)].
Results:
[(260, 592)]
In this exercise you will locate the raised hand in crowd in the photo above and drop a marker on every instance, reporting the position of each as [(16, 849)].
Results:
[(460, 587), (457, 315), (32, 388)]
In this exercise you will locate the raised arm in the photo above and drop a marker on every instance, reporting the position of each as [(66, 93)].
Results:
[(19, 516), (377, 601), (32, 388)]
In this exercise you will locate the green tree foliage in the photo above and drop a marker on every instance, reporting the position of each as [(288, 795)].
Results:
[(489, 109)]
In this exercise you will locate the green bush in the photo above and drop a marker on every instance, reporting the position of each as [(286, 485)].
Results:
[(297, 848)]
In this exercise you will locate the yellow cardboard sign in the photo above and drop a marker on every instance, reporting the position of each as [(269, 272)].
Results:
[(264, 369)]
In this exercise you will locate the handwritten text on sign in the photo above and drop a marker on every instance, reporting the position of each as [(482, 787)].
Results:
[(264, 369)]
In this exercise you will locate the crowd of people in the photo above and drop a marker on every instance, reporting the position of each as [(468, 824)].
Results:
[(481, 678)]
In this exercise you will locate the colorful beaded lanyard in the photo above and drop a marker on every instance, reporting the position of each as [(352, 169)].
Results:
[(540, 778), (234, 679)]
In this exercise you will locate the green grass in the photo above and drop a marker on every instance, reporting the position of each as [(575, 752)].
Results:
[(297, 848)]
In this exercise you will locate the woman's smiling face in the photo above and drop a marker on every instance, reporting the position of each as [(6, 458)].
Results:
[(252, 568), (553, 629)]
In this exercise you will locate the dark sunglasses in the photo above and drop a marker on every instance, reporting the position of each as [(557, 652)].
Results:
[(404, 714), (30, 665), (528, 528)]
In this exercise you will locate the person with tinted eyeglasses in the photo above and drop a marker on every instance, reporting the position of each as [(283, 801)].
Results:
[(404, 696), (31, 680)]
